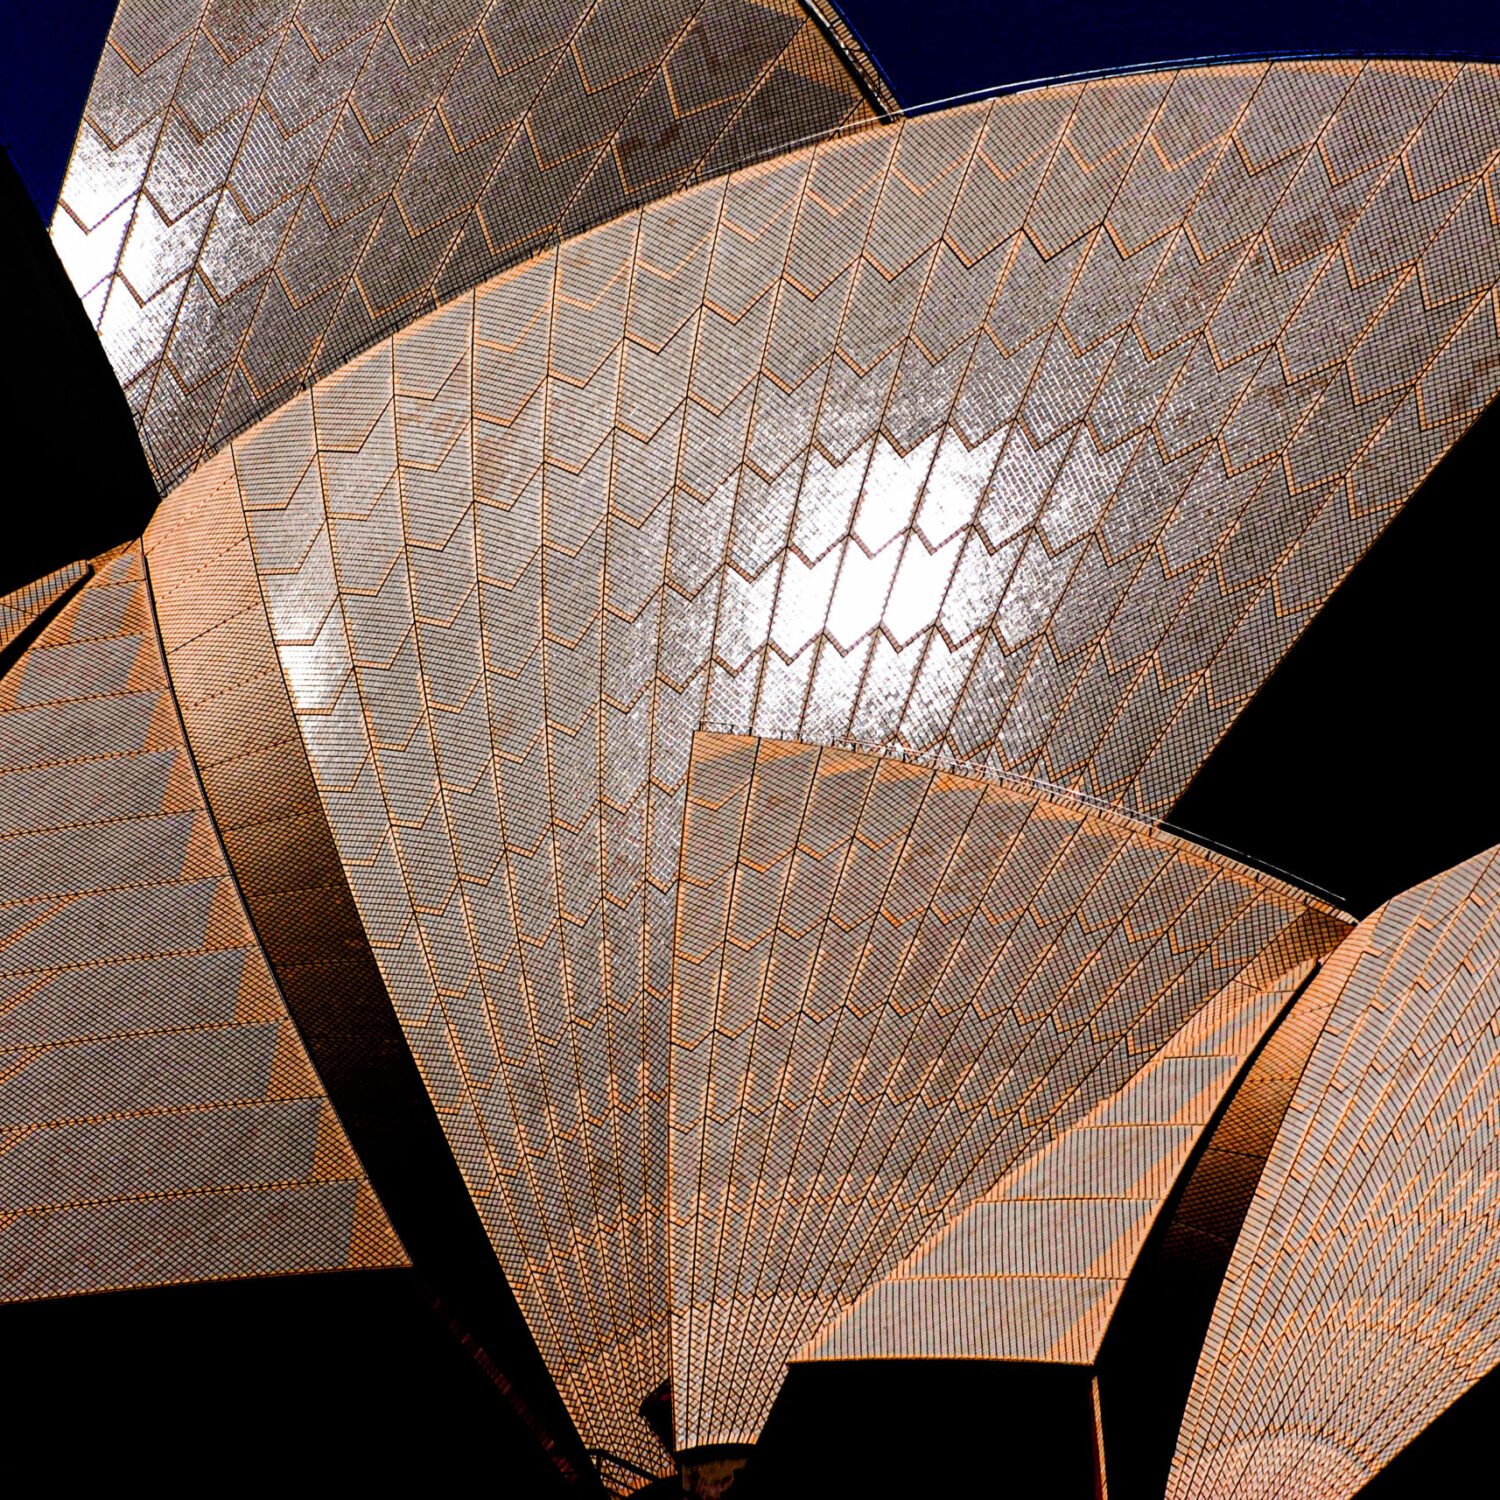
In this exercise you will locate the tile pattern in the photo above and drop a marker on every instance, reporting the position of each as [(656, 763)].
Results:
[(23, 608), (891, 986), (1217, 1193), (243, 735), (244, 739), (1146, 1365), (1035, 1268), (260, 190), (159, 1119), (1359, 1302), (1000, 434)]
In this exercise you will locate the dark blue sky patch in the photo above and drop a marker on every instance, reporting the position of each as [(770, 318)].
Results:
[(947, 47), (48, 52)]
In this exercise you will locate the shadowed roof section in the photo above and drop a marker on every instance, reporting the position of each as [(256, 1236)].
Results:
[(1035, 1269), (892, 985), (1359, 1301), (159, 1117), (260, 191)]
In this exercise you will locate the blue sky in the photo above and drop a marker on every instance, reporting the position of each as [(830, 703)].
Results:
[(964, 45)]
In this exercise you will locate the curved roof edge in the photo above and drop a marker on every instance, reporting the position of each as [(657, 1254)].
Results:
[(256, 196), (844, 37), (1284, 882), (1359, 1300), (1196, 60)]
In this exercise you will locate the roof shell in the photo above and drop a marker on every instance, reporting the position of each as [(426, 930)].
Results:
[(1035, 1268), (1028, 433), (892, 986), (1359, 1301), (260, 191), (161, 1120)]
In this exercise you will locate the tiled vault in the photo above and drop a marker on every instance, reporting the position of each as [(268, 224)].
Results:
[(260, 190), (1028, 434), (159, 1119), (893, 984)]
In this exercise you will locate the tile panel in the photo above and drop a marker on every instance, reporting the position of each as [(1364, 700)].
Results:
[(1036, 1267), (23, 608), (1359, 1301), (239, 720), (260, 191), (159, 1118), (1027, 435), (910, 1005)]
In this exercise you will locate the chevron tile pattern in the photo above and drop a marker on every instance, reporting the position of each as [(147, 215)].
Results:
[(1358, 1302), (260, 190), (21, 609), (1027, 434), (243, 737), (159, 1119), (259, 789), (891, 985), (1035, 1268)]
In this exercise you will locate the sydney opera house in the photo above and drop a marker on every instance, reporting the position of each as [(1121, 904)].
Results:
[(621, 778)]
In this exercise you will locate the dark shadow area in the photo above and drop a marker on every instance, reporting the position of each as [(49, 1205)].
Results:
[(78, 482), (926, 1427), (1454, 1456), (1149, 1356), (341, 1379), (959, 46), (1363, 764)]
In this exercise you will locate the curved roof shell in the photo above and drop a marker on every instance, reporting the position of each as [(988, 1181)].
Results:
[(1027, 433), (891, 986), (1035, 1268), (1359, 1301), (260, 191), (700, 696), (160, 1118)]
